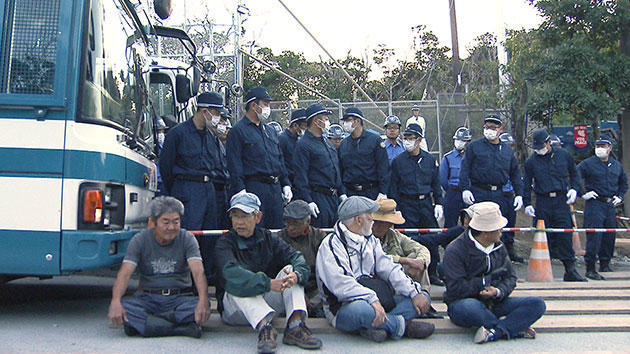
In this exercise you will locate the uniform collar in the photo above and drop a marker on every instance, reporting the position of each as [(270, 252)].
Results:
[(289, 134), (398, 143)]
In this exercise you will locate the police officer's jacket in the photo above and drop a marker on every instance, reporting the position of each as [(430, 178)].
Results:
[(449, 168), (288, 143), (552, 172), (254, 150), (485, 163), (607, 179), (414, 175), (343, 257), (316, 164), (364, 160)]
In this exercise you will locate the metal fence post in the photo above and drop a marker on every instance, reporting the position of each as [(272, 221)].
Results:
[(439, 128)]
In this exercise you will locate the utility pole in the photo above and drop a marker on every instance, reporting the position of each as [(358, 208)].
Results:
[(624, 118), (457, 66)]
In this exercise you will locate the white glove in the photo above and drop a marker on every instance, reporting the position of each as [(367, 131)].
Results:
[(287, 195), (343, 197), (530, 211), (242, 191), (590, 195), (314, 209), (468, 198), (571, 196), (518, 202), (616, 201), (438, 212), (381, 196)]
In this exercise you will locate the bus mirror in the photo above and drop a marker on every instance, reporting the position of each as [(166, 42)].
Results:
[(182, 88), (163, 8), (196, 81)]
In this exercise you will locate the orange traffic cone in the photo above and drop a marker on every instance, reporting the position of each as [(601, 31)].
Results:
[(539, 263), (577, 244)]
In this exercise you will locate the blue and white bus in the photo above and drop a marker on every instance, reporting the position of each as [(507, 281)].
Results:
[(76, 138)]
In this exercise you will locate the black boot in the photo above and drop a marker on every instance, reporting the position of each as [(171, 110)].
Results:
[(591, 273), (512, 253), (570, 274), (191, 329), (604, 266), (130, 331)]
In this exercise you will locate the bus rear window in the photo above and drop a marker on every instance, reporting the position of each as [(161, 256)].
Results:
[(29, 46)]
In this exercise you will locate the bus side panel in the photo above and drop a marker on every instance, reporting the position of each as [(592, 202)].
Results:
[(29, 252), (93, 249)]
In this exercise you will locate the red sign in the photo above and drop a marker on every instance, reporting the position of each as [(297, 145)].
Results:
[(580, 139)]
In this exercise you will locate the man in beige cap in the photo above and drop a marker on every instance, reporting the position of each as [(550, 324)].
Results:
[(479, 279)]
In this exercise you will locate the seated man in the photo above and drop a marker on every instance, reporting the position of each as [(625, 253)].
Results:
[(479, 279), (364, 290), (165, 256), (300, 235), (413, 256), (261, 276)]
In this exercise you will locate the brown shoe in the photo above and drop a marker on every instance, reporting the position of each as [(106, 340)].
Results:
[(418, 329), (267, 338), (302, 337)]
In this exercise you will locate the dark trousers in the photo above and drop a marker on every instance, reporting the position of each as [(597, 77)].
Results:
[(327, 205), (270, 196), (507, 209), (432, 242), (371, 193), (519, 312), (223, 204), (556, 214), (453, 204), (140, 305), (506, 204), (598, 214)]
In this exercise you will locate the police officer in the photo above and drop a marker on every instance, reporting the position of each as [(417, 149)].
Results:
[(414, 178), (160, 128), (555, 140), (605, 184), (317, 175), (449, 177), (222, 179), (276, 126), (487, 166), (416, 118), (556, 182), (288, 139), (255, 161), (507, 237), (362, 158), (393, 144), (335, 135)]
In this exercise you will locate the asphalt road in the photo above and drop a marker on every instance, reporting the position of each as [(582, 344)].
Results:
[(69, 314)]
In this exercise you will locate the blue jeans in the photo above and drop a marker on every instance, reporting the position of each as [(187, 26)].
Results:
[(519, 312), (356, 315), (140, 305)]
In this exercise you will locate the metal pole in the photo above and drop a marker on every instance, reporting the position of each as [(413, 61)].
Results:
[(439, 127)]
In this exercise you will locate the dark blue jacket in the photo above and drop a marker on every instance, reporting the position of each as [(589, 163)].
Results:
[(364, 160), (187, 151), (253, 149), (288, 143), (467, 270), (607, 179), (415, 175), (315, 164), (490, 164), (553, 171), (222, 173)]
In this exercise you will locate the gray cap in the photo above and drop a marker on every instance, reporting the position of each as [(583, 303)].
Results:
[(297, 209), (356, 205), (247, 202)]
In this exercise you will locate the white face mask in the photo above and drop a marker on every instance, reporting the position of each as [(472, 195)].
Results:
[(265, 113), (409, 145), (347, 126), (160, 138), (300, 132), (326, 126), (490, 134), (459, 145), (601, 152), (221, 129), (541, 151), (214, 120)]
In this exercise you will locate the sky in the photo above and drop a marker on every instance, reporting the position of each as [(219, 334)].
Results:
[(357, 27)]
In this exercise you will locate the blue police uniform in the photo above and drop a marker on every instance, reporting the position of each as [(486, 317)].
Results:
[(486, 168), (449, 179), (256, 164), (364, 165), (507, 237), (607, 179), (553, 174), (222, 187), (288, 143), (393, 150), (317, 177)]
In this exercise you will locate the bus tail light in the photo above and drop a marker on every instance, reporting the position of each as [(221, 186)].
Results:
[(92, 206)]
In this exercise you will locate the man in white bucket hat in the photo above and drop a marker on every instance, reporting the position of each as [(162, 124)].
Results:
[(479, 279)]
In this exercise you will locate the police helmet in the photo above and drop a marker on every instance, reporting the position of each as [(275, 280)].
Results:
[(276, 126), (159, 124), (392, 120), (462, 133), (506, 138), (555, 140), (335, 132)]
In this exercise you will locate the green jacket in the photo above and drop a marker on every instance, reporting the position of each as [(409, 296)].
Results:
[(399, 245), (308, 246)]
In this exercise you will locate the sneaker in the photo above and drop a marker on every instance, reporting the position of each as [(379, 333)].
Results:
[(302, 337), (418, 329), (528, 333), (376, 335), (129, 331), (267, 338), (434, 280), (191, 329), (484, 335), (594, 275)]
